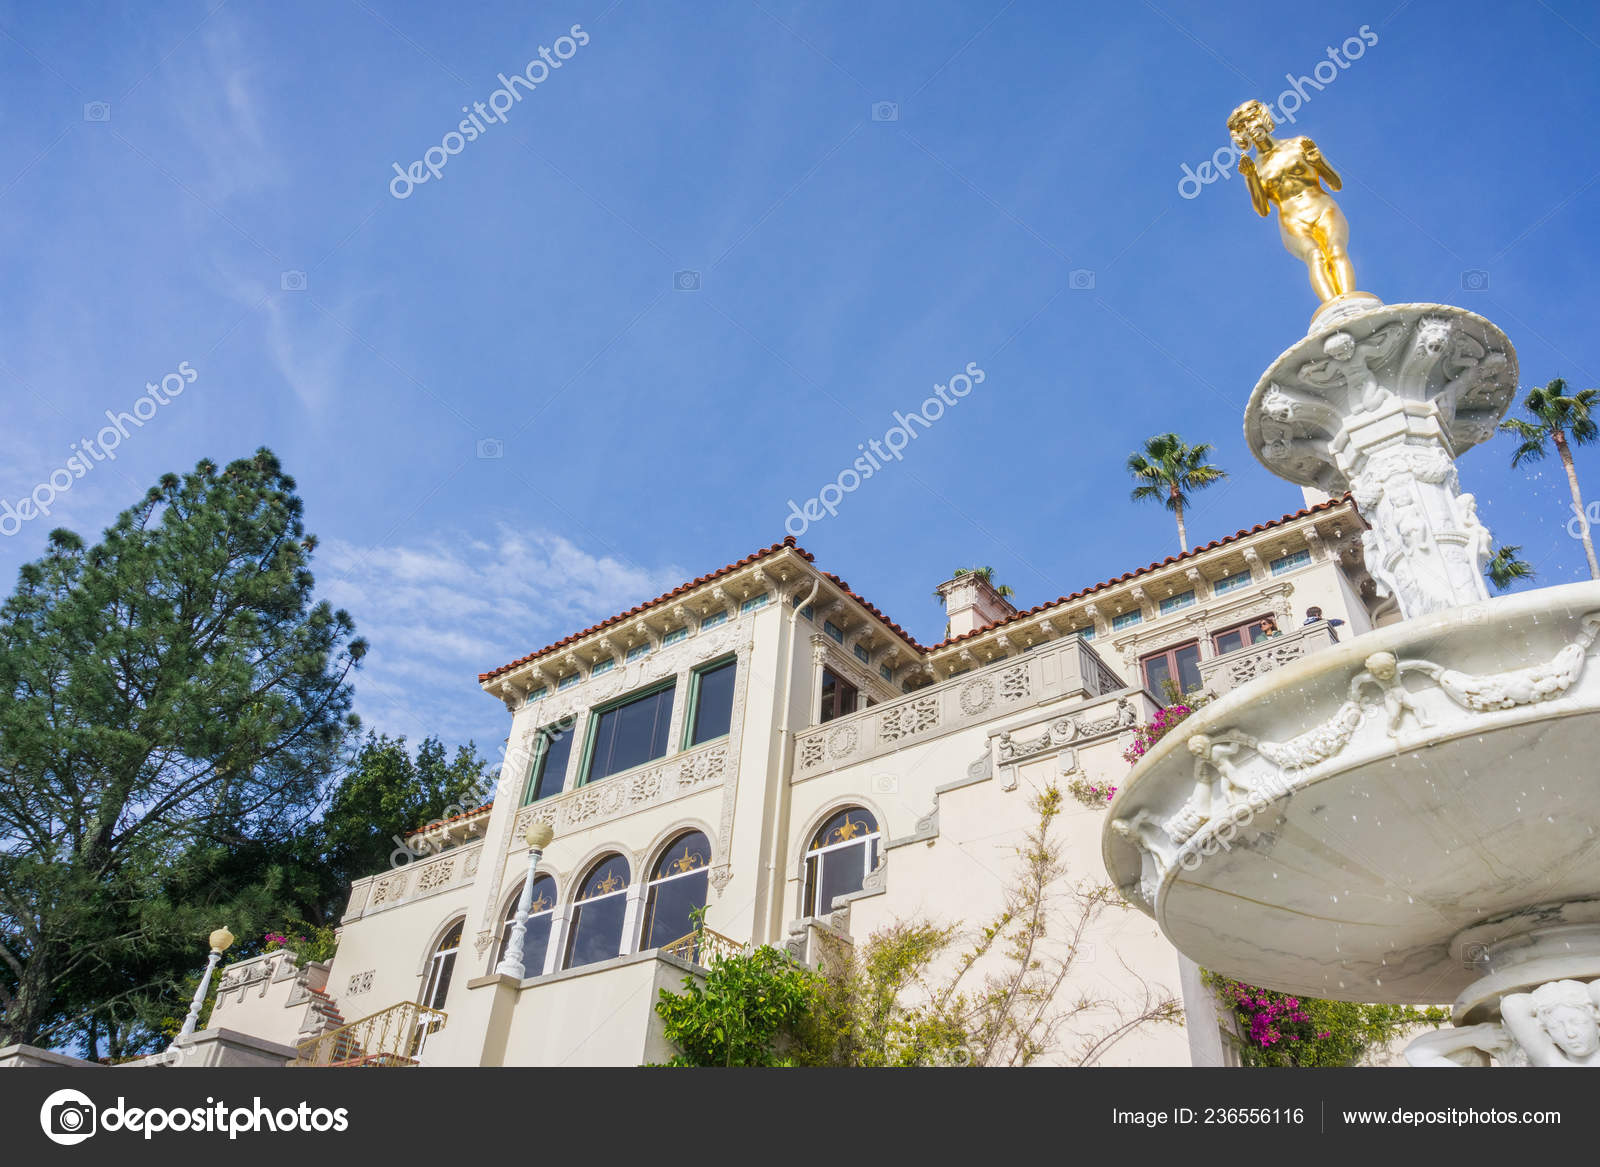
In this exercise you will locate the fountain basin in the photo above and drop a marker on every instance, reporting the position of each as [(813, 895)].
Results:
[(1340, 826)]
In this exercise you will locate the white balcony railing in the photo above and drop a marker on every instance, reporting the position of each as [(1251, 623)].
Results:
[(1062, 670), (1242, 665)]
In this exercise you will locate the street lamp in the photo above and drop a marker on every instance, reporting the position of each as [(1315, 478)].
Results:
[(539, 835), (219, 940)]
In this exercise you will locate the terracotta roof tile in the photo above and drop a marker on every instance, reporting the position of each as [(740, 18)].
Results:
[(1331, 504), (790, 544), (787, 544)]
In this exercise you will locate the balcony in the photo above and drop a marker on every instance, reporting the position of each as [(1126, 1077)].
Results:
[(1242, 665), (1067, 669)]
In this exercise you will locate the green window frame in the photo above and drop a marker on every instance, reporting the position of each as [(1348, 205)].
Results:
[(541, 758), (692, 713), (593, 733)]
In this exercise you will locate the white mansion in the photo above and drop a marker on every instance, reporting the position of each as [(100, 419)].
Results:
[(764, 742)]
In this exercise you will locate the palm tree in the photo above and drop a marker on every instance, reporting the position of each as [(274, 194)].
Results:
[(1002, 590), (1504, 568), (1564, 421), (1169, 470)]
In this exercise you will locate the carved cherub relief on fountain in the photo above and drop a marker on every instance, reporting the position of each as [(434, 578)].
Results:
[(1557, 1025)]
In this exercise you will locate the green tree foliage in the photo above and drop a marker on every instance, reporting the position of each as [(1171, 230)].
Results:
[(1170, 471), (1506, 567), (173, 701), (1563, 422), (1280, 1029), (386, 794), (750, 1011)]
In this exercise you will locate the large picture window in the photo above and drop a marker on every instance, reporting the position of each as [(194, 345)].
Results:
[(629, 733), (711, 702), (677, 889), (839, 859), (602, 902), (551, 750), (839, 696), (536, 940), (1180, 666)]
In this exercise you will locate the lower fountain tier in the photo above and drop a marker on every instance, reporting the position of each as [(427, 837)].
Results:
[(1335, 827)]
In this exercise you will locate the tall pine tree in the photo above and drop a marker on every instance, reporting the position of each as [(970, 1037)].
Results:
[(173, 705)]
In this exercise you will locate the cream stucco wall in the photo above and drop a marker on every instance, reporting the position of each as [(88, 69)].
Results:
[(760, 793)]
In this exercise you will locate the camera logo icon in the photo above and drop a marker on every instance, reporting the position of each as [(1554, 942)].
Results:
[(885, 784), (68, 1117), (686, 281), (1081, 280), (1475, 280), (491, 448), (1475, 956), (293, 281), (885, 111), (97, 111)]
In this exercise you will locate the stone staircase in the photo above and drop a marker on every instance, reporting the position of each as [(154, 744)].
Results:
[(322, 1017)]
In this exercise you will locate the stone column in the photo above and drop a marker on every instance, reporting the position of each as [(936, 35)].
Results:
[(1380, 403)]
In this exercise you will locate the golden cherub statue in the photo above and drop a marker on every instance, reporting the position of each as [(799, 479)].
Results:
[(1290, 173)]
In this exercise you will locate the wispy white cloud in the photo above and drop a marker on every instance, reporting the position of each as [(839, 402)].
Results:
[(440, 611)]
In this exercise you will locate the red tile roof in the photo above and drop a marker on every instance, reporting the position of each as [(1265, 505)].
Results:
[(787, 544), (790, 544), (434, 826), (1331, 504)]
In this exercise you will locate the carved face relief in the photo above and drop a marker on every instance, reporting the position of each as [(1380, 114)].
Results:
[(1432, 335), (1572, 1027)]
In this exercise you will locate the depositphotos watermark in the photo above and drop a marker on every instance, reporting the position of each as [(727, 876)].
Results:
[(86, 452), (500, 103), (68, 1117), (1289, 102), (876, 453)]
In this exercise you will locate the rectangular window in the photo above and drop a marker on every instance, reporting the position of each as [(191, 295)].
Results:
[(1228, 583), (710, 703), (674, 636), (639, 650), (833, 630), (551, 749), (886, 672), (568, 682), (1178, 666), (838, 696), (809, 611), (1177, 602), (1126, 620), (1237, 638), (1290, 561), (628, 733), (604, 666), (538, 693), (862, 654), (1087, 632), (754, 602), (713, 620)]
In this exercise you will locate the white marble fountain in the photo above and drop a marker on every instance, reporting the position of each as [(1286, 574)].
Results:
[(1413, 815)]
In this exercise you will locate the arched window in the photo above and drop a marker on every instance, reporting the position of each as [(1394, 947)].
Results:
[(437, 986), (840, 856), (602, 901), (536, 941), (677, 888)]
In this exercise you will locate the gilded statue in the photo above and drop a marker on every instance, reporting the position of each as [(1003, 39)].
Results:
[(1290, 172)]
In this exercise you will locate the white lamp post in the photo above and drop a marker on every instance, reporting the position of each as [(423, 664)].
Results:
[(539, 835), (220, 940)]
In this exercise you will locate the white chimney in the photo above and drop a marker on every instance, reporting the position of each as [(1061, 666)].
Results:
[(970, 602)]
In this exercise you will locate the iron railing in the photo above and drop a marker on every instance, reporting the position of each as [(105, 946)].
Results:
[(701, 947)]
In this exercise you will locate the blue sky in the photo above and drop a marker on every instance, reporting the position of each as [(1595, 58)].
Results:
[(526, 302)]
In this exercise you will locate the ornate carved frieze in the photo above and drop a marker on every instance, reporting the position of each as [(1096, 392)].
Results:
[(1234, 769)]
